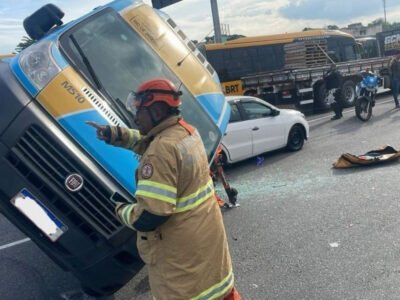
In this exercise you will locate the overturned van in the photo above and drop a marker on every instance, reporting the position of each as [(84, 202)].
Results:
[(59, 183)]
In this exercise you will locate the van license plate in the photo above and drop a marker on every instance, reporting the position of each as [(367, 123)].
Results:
[(40, 215)]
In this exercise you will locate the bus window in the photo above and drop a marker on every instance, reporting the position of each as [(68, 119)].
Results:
[(334, 49), (349, 53), (368, 47), (358, 50)]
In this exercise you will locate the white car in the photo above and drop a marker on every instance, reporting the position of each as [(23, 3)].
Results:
[(255, 127)]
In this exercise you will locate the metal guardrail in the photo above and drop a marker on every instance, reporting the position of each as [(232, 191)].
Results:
[(315, 73)]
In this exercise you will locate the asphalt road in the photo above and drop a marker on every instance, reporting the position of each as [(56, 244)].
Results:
[(303, 231)]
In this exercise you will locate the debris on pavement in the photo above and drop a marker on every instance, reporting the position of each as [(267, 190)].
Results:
[(385, 154)]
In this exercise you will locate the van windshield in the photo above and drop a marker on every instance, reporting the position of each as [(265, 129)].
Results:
[(120, 60)]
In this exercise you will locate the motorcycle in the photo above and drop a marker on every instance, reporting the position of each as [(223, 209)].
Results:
[(366, 91)]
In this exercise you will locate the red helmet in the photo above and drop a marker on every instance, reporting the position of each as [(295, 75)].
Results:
[(155, 90)]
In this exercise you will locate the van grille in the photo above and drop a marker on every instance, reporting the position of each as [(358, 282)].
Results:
[(46, 165)]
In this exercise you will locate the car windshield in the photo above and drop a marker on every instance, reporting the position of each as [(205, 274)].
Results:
[(115, 59)]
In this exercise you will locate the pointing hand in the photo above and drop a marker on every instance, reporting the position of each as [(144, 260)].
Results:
[(103, 132)]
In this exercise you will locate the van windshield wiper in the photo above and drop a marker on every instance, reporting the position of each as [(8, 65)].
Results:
[(125, 116), (86, 62)]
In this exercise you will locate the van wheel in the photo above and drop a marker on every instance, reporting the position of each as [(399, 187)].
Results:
[(348, 93), (296, 138)]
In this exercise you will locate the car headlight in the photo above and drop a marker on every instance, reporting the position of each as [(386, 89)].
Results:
[(37, 63)]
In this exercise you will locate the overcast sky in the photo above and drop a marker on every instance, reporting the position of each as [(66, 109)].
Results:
[(249, 17)]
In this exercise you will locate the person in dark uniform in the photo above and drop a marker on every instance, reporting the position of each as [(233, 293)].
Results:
[(334, 81), (394, 70)]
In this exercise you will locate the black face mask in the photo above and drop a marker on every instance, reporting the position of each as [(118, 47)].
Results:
[(154, 122)]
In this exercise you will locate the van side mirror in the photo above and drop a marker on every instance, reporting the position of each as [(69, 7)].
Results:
[(41, 21)]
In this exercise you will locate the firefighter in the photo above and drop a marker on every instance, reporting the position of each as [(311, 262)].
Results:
[(180, 231)]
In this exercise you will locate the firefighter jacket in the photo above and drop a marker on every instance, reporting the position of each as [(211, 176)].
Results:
[(187, 256)]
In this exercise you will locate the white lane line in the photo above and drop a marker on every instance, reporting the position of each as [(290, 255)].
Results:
[(14, 243), (347, 111)]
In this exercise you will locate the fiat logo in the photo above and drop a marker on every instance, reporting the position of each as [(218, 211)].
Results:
[(74, 182)]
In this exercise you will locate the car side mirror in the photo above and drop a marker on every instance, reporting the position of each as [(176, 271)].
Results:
[(275, 113)]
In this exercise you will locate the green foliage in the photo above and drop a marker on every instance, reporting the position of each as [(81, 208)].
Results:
[(391, 26), (376, 22), (234, 37), (210, 39), (25, 42), (332, 27)]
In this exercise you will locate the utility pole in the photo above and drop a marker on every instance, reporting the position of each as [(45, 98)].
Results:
[(384, 9), (217, 26)]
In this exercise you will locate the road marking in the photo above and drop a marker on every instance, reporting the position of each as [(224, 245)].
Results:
[(345, 112), (14, 243)]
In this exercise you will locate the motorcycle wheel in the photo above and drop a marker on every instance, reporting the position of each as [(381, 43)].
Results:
[(363, 108)]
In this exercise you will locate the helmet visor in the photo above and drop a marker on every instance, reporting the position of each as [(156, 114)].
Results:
[(133, 102)]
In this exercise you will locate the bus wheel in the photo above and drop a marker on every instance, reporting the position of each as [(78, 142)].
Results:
[(348, 93), (321, 98)]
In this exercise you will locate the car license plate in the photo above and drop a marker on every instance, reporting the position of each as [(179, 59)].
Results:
[(40, 215)]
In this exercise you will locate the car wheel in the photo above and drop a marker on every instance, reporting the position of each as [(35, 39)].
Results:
[(224, 160), (295, 138)]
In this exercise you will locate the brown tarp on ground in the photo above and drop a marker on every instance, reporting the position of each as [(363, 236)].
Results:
[(384, 154)]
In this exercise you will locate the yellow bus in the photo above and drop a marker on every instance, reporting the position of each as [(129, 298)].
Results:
[(252, 55), (2, 56)]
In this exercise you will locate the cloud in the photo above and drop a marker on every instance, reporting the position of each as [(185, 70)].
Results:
[(250, 17), (195, 18), (11, 31), (13, 12), (335, 11)]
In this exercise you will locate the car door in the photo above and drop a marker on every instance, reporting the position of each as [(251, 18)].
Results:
[(237, 139), (267, 126)]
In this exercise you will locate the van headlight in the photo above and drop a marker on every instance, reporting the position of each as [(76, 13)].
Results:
[(37, 63)]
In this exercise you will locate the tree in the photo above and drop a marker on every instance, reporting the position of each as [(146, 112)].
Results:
[(391, 26), (210, 39), (332, 27), (376, 22), (234, 37), (25, 42)]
